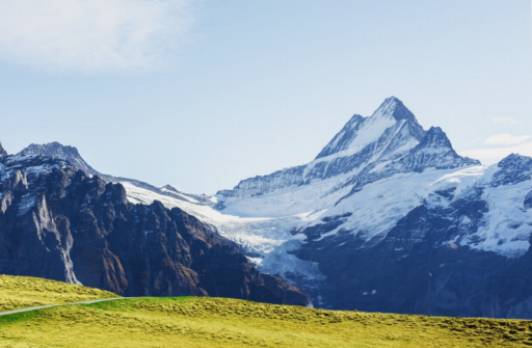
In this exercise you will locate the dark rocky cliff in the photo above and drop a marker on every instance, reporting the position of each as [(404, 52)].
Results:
[(57, 222)]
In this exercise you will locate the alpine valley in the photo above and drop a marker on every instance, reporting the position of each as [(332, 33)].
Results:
[(387, 217)]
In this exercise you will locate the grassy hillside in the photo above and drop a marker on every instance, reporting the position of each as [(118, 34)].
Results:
[(18, 292), (208, 322)]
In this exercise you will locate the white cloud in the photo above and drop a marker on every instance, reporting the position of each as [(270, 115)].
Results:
[(498, 146), (504, 121), (506, 139), (90, 35)]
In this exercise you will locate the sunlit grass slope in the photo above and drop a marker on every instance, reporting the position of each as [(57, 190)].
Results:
[(207, 322), (19, 292)]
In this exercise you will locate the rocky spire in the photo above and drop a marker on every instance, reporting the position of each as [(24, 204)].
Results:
[(395, 108), (360, 131), (3, 152)]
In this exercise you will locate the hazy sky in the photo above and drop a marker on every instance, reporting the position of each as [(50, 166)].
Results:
[(201, 94)]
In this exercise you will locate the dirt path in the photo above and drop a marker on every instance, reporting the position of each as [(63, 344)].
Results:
[(38, 308)]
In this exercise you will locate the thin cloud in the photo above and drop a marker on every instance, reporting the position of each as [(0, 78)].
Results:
[(498, 146), (504, 121), (507, 139), (95, 35)]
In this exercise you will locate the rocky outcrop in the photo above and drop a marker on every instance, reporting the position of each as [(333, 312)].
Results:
[(2, 151), (528, 201), (59, 151), (57, 222), (513, 169)]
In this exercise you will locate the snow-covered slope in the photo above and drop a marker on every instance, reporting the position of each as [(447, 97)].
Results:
[(506, 226), (367, 149), (359, 175)]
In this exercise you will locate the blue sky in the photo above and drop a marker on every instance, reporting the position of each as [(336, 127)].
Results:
[(201, 94)]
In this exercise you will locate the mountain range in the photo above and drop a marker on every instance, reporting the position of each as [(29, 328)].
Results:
[(387, 217)]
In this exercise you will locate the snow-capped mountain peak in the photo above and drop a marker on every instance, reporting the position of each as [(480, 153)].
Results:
[(53, 149), (516, 162), (394, 107), (433, 151), (139, 191), (391, 118), (512, 170), (57, 150), (366, 149), (435, 137), (346, 189)]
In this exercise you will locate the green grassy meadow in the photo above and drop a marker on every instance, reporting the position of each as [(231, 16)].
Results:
[(212, 322), (18, 292)]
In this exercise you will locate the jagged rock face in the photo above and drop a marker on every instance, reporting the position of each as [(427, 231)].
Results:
[(3, 152), (344, 138), (58, 223), (528, 201), (390, 112), (433, 151), (71, 155), (512, 170), (59, 151)]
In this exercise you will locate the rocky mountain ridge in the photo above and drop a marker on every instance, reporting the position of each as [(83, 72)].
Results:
[(57, 222)]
